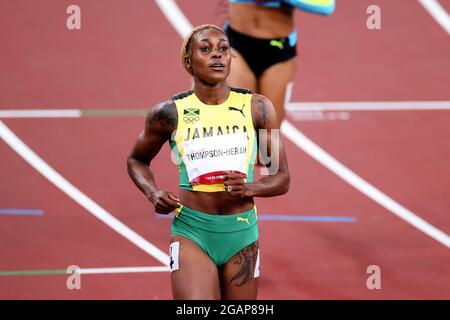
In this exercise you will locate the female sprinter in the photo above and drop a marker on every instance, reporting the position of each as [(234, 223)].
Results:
[(262, 34), (212, 129)]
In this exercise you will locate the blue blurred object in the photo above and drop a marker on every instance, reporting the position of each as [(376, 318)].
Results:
[(322, 7), (269, 3)]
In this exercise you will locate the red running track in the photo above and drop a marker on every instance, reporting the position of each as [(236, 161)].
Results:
[(126, 56)]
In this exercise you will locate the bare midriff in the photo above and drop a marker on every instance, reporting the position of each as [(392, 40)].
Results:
[(260, 21), (214, 202)]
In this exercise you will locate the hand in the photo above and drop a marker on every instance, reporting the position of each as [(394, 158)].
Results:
[(235, 185), (164, 202)]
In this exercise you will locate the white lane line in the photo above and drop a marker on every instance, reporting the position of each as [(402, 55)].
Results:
[(290, 107), (40, 113), (123, 270), (350, 177), (438, 13), (368, 106), (83, 200), (173, 13), (324, 158)]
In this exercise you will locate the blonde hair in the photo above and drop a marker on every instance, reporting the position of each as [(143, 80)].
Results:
[(186, 49)]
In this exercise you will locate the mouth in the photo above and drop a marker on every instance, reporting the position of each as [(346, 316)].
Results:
[(217, 66)]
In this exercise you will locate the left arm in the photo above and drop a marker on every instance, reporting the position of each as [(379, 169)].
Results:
[(277, 183)]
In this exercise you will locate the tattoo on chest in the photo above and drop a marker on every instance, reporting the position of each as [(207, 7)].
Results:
[(246, 260)]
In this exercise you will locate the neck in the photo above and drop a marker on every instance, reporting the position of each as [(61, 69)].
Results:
[(211, 94)]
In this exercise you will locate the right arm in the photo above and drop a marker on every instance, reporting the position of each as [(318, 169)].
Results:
[(161, 122)]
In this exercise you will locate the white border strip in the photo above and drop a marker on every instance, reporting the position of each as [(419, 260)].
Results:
[(360, 184), (329, 162), (123, 270), (83, 200), (368, 106), (40, 113), (438, 13)]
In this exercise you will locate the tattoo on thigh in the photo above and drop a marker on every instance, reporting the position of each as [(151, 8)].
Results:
[(246, 259)]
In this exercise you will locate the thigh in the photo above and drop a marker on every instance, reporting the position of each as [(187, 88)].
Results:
[(197, 276), (237, 275), (274, 82), (241, 75)]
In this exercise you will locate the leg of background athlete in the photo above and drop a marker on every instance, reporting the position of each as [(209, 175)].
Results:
[(197, 277), (274, 81), (237, 275), (241, 75)]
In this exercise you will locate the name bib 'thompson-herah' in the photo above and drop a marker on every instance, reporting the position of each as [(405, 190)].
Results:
[(206, 159)]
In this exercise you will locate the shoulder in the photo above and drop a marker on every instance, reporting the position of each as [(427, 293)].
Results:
[(182, 95), (260, 102), (260, 98), (162, 109), (241, 90), (263, 112), (163, 116)]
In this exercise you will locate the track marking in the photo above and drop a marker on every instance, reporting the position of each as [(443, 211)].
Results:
[(71, 113), (290, 107), (31, 273), (85, 271), (124, 270), (324, 158), (29, 212), (266, 217), (305, 144), (438, 13), (40, 113), (69, 189), (369, 106), (173, 13), (113, 112)]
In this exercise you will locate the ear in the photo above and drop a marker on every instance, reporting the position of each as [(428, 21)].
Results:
[(187, 62)]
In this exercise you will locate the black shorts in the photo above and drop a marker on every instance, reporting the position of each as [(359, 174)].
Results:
[(259, 53)]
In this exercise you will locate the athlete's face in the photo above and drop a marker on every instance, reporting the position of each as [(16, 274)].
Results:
[(211, 57)]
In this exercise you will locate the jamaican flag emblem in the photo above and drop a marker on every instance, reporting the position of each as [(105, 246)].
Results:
[(191, 115)]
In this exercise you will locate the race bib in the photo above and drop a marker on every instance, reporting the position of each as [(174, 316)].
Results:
[(206, 159)]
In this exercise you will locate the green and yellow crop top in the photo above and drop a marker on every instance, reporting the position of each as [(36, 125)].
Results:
[(211, 139)]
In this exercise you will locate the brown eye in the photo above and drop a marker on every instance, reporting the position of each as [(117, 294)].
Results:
[(224, 48)]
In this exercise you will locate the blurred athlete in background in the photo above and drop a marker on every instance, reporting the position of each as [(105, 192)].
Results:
[(263, 39)]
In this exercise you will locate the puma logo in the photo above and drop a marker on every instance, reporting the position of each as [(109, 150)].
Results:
[(278, 44), (244, 219), (236, 109)]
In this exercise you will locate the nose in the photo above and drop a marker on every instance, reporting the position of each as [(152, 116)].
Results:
[(217, 53)]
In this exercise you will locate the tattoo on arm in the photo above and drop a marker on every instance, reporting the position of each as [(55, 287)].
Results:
[(246, 259), (263, 112), (165, 115)]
